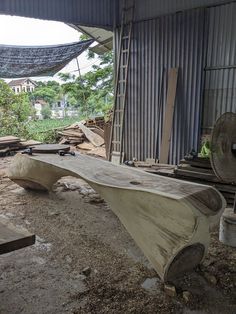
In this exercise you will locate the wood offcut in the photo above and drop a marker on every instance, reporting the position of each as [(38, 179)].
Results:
[(13, 238)]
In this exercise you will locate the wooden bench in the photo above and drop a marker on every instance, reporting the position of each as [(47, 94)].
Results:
[(169, 219)]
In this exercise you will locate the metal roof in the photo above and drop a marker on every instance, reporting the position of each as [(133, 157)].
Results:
[(103, 37), (103, 13)]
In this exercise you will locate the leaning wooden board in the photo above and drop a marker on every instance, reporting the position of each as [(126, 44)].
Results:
[(94, 138), (169, 113), (169, 219), (13, 238)]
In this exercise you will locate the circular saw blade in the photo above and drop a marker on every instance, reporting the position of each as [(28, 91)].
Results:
[(223, 159)]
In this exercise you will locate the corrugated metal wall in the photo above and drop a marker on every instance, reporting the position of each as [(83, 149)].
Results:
[(158, 45), (83, 12), (220, 86)]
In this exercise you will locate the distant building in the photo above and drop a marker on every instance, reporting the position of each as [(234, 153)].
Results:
[(22, 85)]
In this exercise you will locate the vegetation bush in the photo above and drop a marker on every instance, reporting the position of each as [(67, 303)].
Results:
[(14, 112), (46, 112)]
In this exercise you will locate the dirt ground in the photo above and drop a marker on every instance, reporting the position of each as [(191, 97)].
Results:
[(84, 261)]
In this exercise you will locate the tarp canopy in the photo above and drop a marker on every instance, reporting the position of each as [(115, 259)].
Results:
[(22, 61)]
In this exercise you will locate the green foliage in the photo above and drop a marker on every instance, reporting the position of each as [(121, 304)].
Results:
[(14, 112), (22, 107), (93, 91), (66, 77), (50, 92), (46, 112), (46, 130), (206, 149)]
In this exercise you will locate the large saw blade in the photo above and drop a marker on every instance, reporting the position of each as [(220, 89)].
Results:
[(223, 155)]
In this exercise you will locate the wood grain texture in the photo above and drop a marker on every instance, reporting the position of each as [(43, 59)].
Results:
[(94, 138), (169, 219), (13, 238), (169, 112)]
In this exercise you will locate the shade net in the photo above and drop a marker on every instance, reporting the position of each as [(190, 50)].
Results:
[(22, 61)]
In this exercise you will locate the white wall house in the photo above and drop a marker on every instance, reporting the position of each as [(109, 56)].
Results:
[(22, 85)]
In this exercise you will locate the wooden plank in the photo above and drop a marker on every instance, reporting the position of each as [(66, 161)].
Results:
[(197, 175), (24, 144), (9, 139), (169, 113), (169, 219), (95, 139), (86, 146), (195, 163), (13, 238), (196, 169), (73, 133)]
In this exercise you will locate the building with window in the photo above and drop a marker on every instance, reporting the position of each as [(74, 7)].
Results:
[(22, 85)]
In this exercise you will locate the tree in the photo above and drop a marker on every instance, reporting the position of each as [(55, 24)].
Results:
[(46, 112), (14, 111), (92, 91), (50, 92)]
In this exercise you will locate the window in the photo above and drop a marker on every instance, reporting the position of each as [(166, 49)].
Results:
[(13, 88), (18, 90), (28, 89)]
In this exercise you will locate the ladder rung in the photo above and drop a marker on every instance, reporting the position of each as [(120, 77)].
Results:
[(125, 37), (119, 110), (125, 50), (123, 66), (117, 125), (120, 81), (120, 95)]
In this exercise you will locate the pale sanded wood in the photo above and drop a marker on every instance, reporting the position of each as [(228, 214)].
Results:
[(169, 219), (169, 112), (85, 146), (13, 238), (95, 139)]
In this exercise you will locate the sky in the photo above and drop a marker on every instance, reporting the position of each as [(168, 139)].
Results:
[(34, 32)]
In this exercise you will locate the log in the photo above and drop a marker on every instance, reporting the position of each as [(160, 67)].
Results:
[(169, 219)]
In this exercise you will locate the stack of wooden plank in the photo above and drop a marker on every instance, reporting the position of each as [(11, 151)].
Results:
[(98, 121), (199, 170), (10, 144), (89, 139), (72, 135)]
